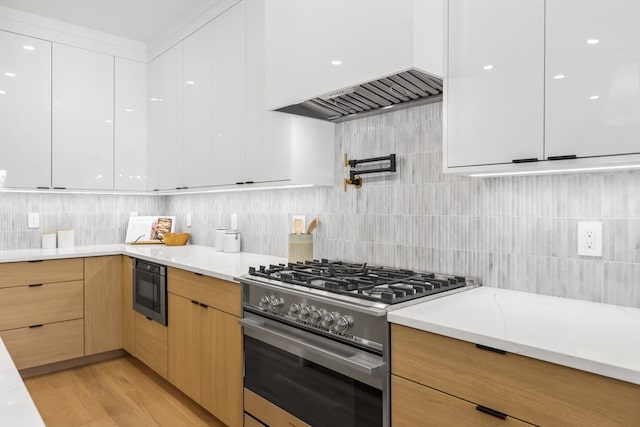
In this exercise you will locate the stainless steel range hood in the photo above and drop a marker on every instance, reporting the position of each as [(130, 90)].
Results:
[(402, 90)]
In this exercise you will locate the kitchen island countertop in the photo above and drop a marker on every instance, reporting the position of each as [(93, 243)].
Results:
[(198, 259), (599, 338)]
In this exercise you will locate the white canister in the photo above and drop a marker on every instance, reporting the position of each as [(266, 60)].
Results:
[(48, 240), (66, 239), (232, 241), (219, 237)]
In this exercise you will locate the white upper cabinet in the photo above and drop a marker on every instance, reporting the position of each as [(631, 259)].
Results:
[(494, 82), (214, 102), (164, 108), (592, 77), (25, 112), (314, 47), (82, 119), (130, 125)]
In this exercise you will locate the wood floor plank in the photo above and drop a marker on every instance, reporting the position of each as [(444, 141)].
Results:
[(121, 392)]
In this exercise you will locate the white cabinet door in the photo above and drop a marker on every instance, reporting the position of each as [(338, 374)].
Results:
[(592, 77), (494, 84), (268, 137), (130, 125), (25, 112), (164, 110), (82, 119), (214, 104), (365, 39)]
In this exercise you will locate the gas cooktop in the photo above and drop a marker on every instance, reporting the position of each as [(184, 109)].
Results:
[(362, 281)]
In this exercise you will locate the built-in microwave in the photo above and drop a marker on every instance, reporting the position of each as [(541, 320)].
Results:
[(150, 290)]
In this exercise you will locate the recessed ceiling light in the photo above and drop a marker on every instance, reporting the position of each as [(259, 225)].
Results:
[(190, 82), (28, 47), (108, 121), (10, 74), (128, 110), (558, 76), (2, 92), (488, 67), (594, 97), (336, 62), (593, 41)]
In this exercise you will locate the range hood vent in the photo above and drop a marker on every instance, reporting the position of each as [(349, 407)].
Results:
[(402, 90)]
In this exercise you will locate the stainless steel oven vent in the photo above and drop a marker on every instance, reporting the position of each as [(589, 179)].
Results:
[(402, 90)]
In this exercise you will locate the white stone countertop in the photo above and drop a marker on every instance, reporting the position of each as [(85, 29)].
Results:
[(198, 259), (16, 406), (599, 338)]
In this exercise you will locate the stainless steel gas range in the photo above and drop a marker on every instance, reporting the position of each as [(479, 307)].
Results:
[(316, 339)]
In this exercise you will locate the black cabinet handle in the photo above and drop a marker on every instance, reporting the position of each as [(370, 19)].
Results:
[(529, 160), (195, 302), (148, 318), (567, 157), (492, 412), (491, 349), (204, 305), (59, 188), (178, 188), (249, 182), (42, 188), (185, 188), (155, 189), (35, 285), (198, 274), (35, 260), (35, 326), (239, 183)]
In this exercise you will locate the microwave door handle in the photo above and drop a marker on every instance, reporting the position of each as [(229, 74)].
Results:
[(309, 350)]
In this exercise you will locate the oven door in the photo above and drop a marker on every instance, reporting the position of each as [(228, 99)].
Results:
[(315, 379), (149, 295)]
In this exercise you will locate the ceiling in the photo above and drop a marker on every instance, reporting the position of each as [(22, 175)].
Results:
[(141, 20)]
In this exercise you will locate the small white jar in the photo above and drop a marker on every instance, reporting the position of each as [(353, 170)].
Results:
[(49, 240), (219, 237), (232, 241)]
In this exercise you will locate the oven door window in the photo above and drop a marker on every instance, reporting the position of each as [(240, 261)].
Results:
[(146, 291), (310, 392)]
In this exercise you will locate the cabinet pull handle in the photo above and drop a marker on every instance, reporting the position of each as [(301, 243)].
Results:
[(204, 305), (492, 412), (35, 260), (198, 274), (249, 182), (35, 285), (36, 326), (195, 302), (239, 183), (567, 157), (178, 188), (148, 318), (529, 160), (155, 189), (59, 188), (487, 348), (42, 188), (185, 188)]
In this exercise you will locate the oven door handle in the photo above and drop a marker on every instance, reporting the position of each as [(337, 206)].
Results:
[(311, 351)]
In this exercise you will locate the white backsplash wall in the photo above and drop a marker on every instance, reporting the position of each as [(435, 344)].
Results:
[(513, 232), (96, 219)]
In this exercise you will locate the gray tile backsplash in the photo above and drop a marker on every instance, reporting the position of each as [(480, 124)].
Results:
[(512, 232)]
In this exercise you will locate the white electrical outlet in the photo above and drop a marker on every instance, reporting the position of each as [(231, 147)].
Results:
[(590, 239), (188, 219), (34, 220)]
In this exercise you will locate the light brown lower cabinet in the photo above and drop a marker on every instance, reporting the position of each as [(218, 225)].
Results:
[(102, 304), (205, 345), (151, 344), (128, 313), (414, 405), (249, 421), (531, 390), (44, 344), (269, 413)]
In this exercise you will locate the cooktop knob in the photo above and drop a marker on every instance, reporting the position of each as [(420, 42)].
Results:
[(329, 319), (276, 303), (305, 313), (316, 316), (264, 301), (343, 323), (294, 309)]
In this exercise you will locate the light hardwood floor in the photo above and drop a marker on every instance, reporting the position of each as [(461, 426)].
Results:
[(119, 392)]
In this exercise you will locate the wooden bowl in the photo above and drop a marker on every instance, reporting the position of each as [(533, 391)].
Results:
[(175, 239)]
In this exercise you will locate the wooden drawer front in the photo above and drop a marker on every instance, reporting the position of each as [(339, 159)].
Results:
[(29, 273), (33, 305), (249, 421), (50, 343), (151, 344), (416, 405), (213, 292), (528, 389), (268, 413)]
